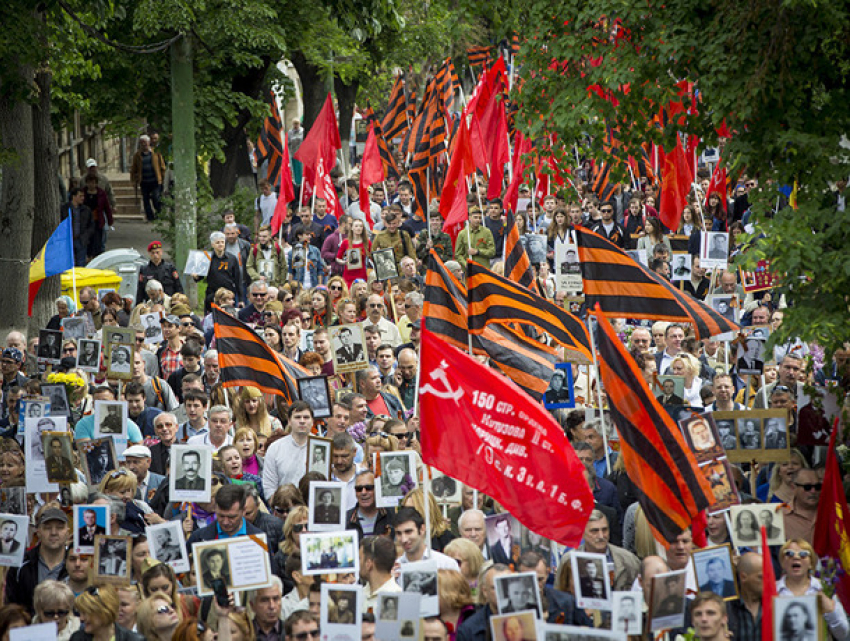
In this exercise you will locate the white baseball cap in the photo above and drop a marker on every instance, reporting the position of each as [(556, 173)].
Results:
[(91, 162), (137, 451)]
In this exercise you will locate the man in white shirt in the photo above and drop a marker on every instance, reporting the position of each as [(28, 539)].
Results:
[(344, 468), (377, 557), (410, 534), (286, 459), (220, 422), (673, 337), (389, 332), (138, 459)]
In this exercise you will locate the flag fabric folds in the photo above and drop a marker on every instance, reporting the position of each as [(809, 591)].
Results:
[(286, 190), (55, 257), (245, 359), (270, 143), (447, 83), (517, 263), (453, 197), (481, 429), (717, 185), (626, 289), (320, 143), (676, 180), (769, 590), (495, 299), (371, 172), (394, 123), (478, 57), (657, 459)]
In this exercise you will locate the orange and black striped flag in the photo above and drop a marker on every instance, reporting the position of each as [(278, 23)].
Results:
[(387, 159), (672, 488), (270, 145), (395, 123), (517, 264), (478, 57), (601, 182), (245, 359), (626, 289), (526, 362), (495, 299), (447, 83)]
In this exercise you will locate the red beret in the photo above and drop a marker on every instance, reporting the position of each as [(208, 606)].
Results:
[(155, 245)]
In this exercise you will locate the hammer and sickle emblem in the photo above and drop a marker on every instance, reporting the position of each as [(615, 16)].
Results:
[(440, 375)]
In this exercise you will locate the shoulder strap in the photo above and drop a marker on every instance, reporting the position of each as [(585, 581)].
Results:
[(157, 389)]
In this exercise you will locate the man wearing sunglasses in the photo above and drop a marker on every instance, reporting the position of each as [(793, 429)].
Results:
[(366, 517), (302, 626), (258, 296), (800, 515)]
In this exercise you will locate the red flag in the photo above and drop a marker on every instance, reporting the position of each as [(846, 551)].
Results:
[(676, 182), (512, 449), (453, 197), (832, 533), (521, 146), (325, 189), (768, 590), (286, 191), (494, 128), (717, 186), (371, 172), (320, 143)]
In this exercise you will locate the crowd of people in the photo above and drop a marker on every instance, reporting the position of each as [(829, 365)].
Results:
[(319, 273)]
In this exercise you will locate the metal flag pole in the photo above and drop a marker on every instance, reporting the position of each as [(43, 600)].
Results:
[(597, 315)]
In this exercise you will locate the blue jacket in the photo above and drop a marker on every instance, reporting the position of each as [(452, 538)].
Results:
[(298, 266)]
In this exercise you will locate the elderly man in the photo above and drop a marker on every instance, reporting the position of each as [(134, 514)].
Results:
[(266, 605), (159, 270), (596, 540), (412, 312), (641, 339), (147, 172), (258, 296), (788, 379), (238, 248), (344, 469), (378, 402), (375, 309), (138, 461), (471, 526), (220, 422), (165, 429), (801, 514), (408, 363)]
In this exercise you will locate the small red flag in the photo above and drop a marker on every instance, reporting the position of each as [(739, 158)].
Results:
[(521, 146), (768, 589), (320, 143), (494, 128), (371, 172), (717, 186), (482, 429), (325, 189), (676, 182), (286, 191), (453, 197)]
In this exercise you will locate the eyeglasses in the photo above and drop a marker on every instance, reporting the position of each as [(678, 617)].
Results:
[(781, 388), (259, 294), (298, 528), (799, 554), (55, 614), (375, 305), (808, 487), (364, 488), (85, 302), (607, 211), (186, 324), (69, 350), (140, 340), (216, 481), (280, 510), (310, 634), (335, 288), (288, 299), (164, 609)]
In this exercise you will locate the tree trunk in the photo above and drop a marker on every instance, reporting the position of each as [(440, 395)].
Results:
[(345, 96), (313, 88), (17, 208), (47, 201)]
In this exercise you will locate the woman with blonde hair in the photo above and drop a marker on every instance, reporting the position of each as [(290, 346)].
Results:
[(441, 535), (157, 618), (781, 488), (468, 557), (337, 290), (121, 484), (455, 597), (250, 411), (294, 525), (686, 365), (247, 442), (98, 609), (54, 601), (159, 578)]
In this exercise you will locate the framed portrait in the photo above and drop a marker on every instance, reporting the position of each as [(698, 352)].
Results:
[(561, 391), (348, 346), (386, 267), (747, 521), (626, 613), (590, 577), (243, 563), (168, 545), (319, 455), (714, 250), (761, 435), (567, 268), (14, 532), (518, 593), (726, 431), (396, 477), (197, 263), (558, 632), (670, 389), (680, 266), (397, 615), (750, 355), (536, 247), (90, 521), (73, 327), (58, 396), (420, 577), (639, 256), (98, 458), (190, 473), (117, 336), (58, 457), (120, 362), (32, 407), (718, 473), (36, 457), (342, 392), (341, 611), (724, 304), (13, 500), (103, 292), (306, 342), (327, 506), (110, 418), (316, 391), (354, 258), (796, 617), (152, 327), (667, 601), (507, 627), (702, 437), (49, 346), (715, 572), (445, 489), (88, 355), (503, 537), (112, 560), (330, 552)]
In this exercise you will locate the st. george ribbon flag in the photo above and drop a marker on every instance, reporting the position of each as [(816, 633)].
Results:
[(480, 428)]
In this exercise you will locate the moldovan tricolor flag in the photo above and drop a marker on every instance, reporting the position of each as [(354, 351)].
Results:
[(483, 430), (55, 257)]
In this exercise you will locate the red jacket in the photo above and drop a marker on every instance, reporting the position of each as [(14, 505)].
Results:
[(102, 213)]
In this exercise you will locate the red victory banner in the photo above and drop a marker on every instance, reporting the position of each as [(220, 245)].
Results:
[(480, 428)]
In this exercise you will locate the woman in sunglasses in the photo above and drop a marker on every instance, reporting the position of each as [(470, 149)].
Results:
[(54, 601), (98, 608), (295, 524), (157, 618), (337, 290)]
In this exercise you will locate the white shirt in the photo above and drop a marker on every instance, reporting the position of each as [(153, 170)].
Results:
[(292, 603), (285, 462), (204, 439), (443, 561), (370, 599), (267, 205), (389, 332)]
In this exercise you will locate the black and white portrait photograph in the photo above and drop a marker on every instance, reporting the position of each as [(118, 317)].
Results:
[(567, 268), (776, 433), (503, 537), (214, 564), (445, 489), (395, 610), (396, 478), (49, 346), (13, 500), (89, 521), (702, 437), (750, 356), (58, 396), (120, 363), (725, 305), (670, 389), (110, 418), (190, 477), (749, 433), (316, 391), (341, 612), (714, 250), (537, 247), (330, 552), (514, 627), (680, 266), (36, 428), (354, 258), (388, 607), (168, 545), (385, 264), (152, 328), (58, 457), (88, 355), (536, 543), (327, 506), (560, 392), (517, 593), (98, 458), (113, 336), (558, 632), (14, 530), (421, 577), (348, 345), (33, 407), (73, 327), (591, 580), (772, 518), (668, 603), (319, 455), (626, 612), (241, 562), (727, 432), (745, 526), (112, 560), (197, 263), (795, 618), (715, 572)]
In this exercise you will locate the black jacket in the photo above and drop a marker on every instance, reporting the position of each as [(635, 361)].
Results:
[(160, 457), (384, 523), (21, 582), (272, 526), (121, 634), (166, 273), (224, 272), (86, 223)]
